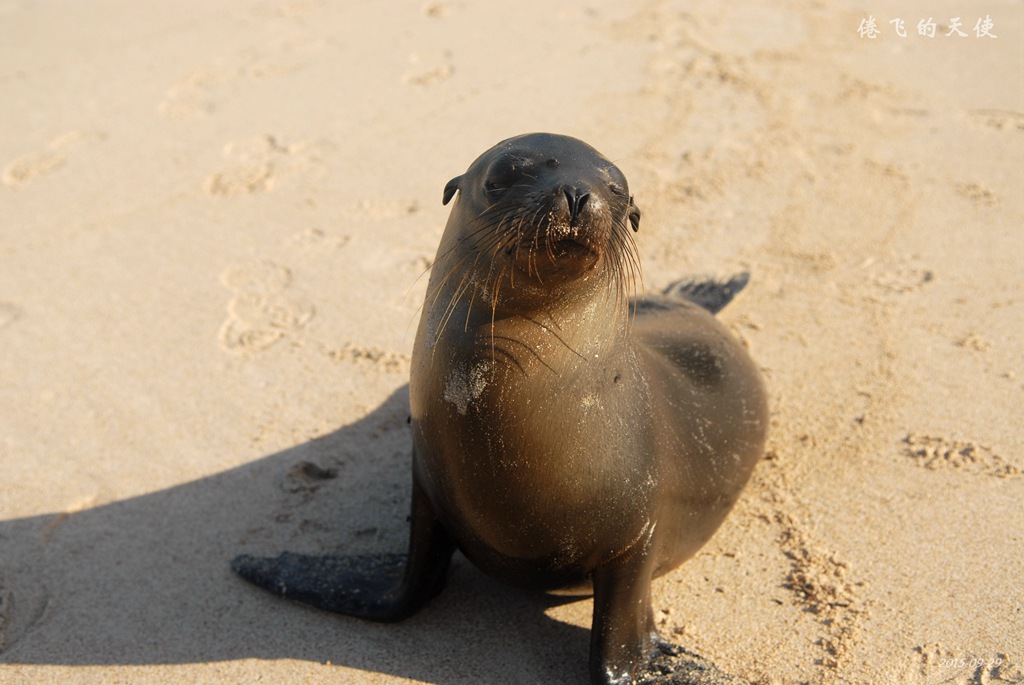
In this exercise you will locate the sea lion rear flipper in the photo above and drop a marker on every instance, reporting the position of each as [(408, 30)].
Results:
[(709, 293), (381, 587)]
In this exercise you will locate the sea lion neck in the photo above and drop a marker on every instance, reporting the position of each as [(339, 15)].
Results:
[(556, 324), (577, 325)]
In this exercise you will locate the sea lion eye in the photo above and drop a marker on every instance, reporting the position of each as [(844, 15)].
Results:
[(502, 178), (617, 190), (505, 173)]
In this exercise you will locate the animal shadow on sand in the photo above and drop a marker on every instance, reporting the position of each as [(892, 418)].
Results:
[(147, 580)]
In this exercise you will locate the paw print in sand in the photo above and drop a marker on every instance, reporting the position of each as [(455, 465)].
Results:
[(262, 312)]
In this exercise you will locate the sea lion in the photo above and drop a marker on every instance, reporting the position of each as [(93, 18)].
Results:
[(564, 435)]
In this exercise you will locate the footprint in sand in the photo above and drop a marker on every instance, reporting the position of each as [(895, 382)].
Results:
[(261, 313), (825, 586), (197, 94), (9, 313), (316, 239), (977, 193), (429, 70), (23, 605), (1001, 120), (257, 164), (897, 276), (938, 453), (973, 341), (438, 9), (383, 360), (44, 162), (190, 98)]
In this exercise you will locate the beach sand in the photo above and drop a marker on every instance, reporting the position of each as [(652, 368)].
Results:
[(214, 224)]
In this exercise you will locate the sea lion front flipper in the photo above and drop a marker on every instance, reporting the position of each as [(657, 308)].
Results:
[(673, 665), (625, 647), (381, 587), (622, 634)]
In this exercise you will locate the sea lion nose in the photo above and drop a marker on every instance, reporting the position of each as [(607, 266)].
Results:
[(576, 199)]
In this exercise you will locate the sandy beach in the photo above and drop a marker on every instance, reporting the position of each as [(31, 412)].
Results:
[(215, 220)]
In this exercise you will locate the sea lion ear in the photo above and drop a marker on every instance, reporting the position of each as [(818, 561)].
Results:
[(450, 188), (634, 215)]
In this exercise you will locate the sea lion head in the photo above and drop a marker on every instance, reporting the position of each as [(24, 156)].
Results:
[(539, 213)]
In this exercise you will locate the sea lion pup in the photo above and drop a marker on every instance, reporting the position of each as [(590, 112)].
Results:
[(564, 436)]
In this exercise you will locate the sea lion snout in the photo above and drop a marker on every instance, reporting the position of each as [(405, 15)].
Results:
[(576, 199), (540, 210)]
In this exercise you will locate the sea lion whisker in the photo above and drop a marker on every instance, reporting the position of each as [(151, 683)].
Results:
[(494, 313), (486, 227), (502, 216), (465, 284), (504, 247), (452, 306), (434, 290), (536, 242), (613, 275), (629, 264), (469, 311), (551, 331), (422, 273), (526, 348), (495, 272), (437, 289)]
